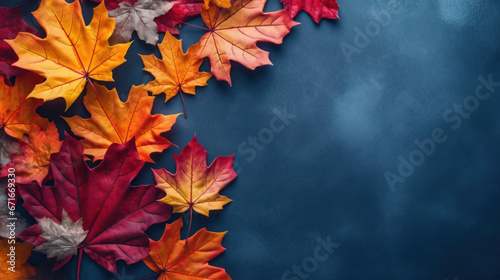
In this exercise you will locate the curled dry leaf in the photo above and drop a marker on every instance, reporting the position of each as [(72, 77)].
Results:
[(72, 53)]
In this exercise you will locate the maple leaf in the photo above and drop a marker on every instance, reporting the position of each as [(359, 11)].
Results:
[(176, 71), (318, 9), (195, 186), (23, 270), (186, 259), (72, 53), (32, 162), (182, 11), (5, 214), (218, 3), (17, 114), (113, 121), (11, 24), (138, 17), (8, 145), (233, 35), (62, 239), (114, 212)]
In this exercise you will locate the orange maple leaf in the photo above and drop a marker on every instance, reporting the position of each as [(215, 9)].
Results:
[(113, 121), (233, 35), (177, 259), (22, 269), (17, 114), (72, 53), (176, 71), (34, 161), (219, 3), (195, 186)]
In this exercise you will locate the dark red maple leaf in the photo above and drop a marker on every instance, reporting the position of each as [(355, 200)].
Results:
[(114, 212), (11, 23), (318, 9), (182, 11)]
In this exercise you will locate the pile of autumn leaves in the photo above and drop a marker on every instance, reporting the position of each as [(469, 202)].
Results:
[(97, 210)]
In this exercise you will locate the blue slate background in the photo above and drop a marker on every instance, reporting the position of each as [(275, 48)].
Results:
[(323, 175)]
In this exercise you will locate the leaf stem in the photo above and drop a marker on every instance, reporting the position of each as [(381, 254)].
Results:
[(183, 104), (193, 25), (80, 254), (151, 275), (190, 222)]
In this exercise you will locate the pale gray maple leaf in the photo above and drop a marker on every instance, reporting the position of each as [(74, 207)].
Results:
[(62, 239), (8, 145), (20, 222), (139, 17)]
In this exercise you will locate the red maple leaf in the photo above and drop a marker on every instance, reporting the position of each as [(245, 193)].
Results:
[(318, 9), (114, 212), (182, 11), (11, 23)]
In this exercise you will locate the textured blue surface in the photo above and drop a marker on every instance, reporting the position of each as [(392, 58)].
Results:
[(355, 119)]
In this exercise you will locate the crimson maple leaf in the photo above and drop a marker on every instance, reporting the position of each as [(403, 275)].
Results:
[(11, 23), (182, 11), (114, 212), (317, 9)]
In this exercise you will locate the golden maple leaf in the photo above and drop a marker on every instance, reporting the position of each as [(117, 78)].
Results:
[(176, 71), (72, 53), (113, 121), (195, 186)]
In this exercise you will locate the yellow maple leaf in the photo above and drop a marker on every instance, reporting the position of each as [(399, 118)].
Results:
[(72, 53), (176, 71), (114, 121)]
